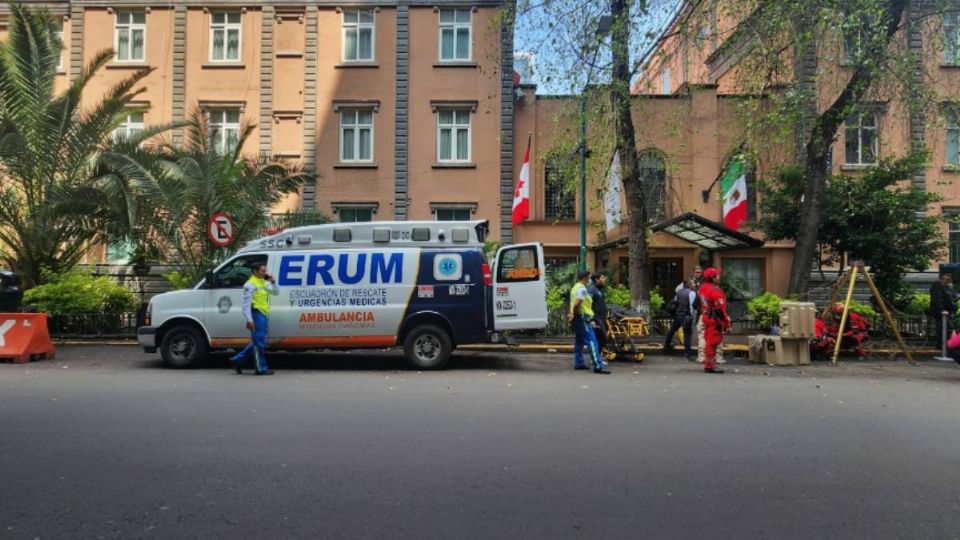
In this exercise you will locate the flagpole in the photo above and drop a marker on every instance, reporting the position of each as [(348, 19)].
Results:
[(583, 181)]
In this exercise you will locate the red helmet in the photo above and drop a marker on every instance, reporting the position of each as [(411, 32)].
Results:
[(711, 273)]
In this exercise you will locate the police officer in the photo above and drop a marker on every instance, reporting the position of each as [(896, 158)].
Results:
[(713, 306), (686, 300), (581, 315), (256, 310)]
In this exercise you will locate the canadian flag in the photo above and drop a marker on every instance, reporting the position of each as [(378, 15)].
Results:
[(521, 195)]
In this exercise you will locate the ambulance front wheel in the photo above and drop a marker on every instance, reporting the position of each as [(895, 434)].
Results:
[(183, 346), (427, 347)]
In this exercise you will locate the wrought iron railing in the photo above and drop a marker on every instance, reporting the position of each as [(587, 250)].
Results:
[(93, 325)]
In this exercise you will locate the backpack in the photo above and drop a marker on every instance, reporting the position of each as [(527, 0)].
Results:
[(671, 307)]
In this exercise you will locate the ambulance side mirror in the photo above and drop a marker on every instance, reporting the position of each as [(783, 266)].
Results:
[(210, 279)]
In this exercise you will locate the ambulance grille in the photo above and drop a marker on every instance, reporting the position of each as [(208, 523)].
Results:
[(460, 235), (342, 235), (420, 234), (381, 235)]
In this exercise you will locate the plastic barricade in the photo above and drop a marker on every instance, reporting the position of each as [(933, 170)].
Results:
[(24, 337)]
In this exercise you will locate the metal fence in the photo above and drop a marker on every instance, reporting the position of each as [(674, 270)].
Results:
[(917, 329), (93, 325)]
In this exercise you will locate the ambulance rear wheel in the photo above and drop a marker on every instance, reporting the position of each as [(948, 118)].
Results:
[(427, 347), (183, 346)]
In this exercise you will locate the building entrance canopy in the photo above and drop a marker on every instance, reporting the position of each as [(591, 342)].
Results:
[(706, 234)]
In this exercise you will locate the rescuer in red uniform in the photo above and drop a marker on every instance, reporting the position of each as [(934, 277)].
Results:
[(714, 316)]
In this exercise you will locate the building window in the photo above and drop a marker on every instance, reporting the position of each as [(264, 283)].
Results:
[(951, 39), (558, 200), (855, 38), (58, 31), (130, 127), (225, 34), (354, 214), (557, 263), (453, 135), (129, 36), (356, 135), (953, 137), (653, 178), (119, 252), (224, 129), (455, 28), (953, 240), (860, 138), (453, 214), (745, 276), (665, 81), (358, 35)]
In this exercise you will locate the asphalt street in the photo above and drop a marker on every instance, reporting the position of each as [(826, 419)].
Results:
[(103, 442)]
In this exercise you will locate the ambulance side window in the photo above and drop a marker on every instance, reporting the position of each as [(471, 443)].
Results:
[(517, 265), (236, 272)]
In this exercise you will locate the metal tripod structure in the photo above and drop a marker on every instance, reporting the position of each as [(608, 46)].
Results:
[(857, 268)]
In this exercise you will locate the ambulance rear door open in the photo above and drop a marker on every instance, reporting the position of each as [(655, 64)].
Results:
[(519, 288)]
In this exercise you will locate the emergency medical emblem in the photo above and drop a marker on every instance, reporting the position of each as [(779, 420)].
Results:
[(224, 304), (448, 267)]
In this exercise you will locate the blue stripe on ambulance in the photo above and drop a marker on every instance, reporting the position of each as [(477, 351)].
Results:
[(460, 301)]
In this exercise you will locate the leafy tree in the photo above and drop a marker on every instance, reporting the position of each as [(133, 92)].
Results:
[(577, 51), (194, 181), (868, 217), (814, 63), (58, 163)]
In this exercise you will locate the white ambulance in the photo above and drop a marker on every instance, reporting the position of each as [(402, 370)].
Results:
[(426, 286)]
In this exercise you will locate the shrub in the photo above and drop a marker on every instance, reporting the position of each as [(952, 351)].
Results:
[(867, 311), (178, 280), (79, 291), (656, 302), (764, 309), (918, 305)]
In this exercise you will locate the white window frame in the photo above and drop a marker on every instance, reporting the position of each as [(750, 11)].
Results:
[(129, 122), (860, 128), (216, 134), (131, 27), (454, 127), (455, 26), (226, 26), (356, 27), (356, 127)]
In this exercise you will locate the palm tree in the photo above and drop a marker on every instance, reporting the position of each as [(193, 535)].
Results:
[(59, 168), (198, 179)]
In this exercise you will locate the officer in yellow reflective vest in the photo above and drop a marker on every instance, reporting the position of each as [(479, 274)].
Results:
[(256, 309), (581, 316)]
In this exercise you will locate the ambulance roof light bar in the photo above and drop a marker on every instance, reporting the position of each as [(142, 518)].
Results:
[(375, 233)]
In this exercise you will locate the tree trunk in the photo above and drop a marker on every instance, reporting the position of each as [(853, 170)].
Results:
[(821, 139), (627, 149)]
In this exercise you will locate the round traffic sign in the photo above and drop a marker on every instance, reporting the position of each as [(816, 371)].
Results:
[(220, 229)]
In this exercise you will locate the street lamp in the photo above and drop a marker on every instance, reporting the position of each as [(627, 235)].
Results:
[(603, 28)]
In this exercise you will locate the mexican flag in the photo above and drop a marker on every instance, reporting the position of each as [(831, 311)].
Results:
[(733, 189)]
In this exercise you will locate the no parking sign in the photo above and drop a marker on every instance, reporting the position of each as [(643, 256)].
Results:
[(221, 230)]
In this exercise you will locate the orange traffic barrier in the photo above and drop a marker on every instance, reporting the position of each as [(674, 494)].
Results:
[(24, 337)]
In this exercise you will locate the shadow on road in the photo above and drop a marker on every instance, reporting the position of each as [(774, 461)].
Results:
[(379, 360)]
